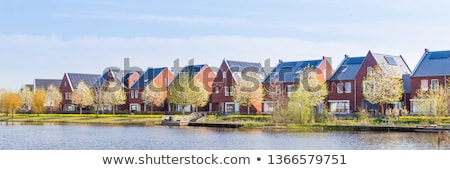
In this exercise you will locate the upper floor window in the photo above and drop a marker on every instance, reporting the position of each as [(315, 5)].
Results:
[(68, 96), (368, 87), (340, 88), (348, 87), (224, 74), (231, 90), (132, 94), (434, 84), (227, 93), (424, 85), (369, 70)]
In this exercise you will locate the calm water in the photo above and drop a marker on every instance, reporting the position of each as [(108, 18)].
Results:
[(19, 136)]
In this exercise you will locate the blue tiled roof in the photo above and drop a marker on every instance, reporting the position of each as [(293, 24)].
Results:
[(89, 79), (45, 83), (193, 68), (237, 67), (288, 71), (434, 63), (148, 76), (348, 69)]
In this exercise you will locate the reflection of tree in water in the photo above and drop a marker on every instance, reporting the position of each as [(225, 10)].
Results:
[(443, 138)]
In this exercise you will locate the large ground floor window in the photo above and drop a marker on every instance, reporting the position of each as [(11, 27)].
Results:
[(339, 106)]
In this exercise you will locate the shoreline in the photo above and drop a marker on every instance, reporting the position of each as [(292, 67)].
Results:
[(156, 120)]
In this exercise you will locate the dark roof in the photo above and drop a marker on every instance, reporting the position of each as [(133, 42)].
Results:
[(89, 79), (45, 83), (112, 73), (434, 63), (348, 69), (193, 68), (148, 76), (288, 71), (237, 67), (30, 86)]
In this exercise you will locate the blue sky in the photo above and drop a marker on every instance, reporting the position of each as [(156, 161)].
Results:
[(44, 39)]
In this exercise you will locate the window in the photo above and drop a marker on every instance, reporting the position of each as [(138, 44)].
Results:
[(424, 85), (231, 90), (132, 94), (290, 88), (343, 69), (348, 87), (166, 82), (136, 94), (369, 70), (224, 74), (340, 88), (217, 90), (68, 96), (230, 108), (339, 106), (227, 93), (368, 87), (434, 84), (65, 84)]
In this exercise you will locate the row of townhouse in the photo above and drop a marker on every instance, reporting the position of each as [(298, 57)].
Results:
[(345, 83)]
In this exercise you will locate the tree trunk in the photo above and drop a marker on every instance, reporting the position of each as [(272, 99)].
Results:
[(382, 109), (81, 109), (248, 109), (182, 109), (114, 109), (98, 110), (151, 108)]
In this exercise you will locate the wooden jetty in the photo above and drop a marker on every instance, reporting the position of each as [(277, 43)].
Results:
[(194, 119)]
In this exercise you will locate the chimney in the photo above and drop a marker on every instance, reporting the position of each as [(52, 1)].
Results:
[(346, 56), (280, 61), (427, 50)]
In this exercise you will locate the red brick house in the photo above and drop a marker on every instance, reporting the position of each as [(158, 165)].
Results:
[(228, 73), (287, 75), (69, 83), (345, 92), (204, 74), (432, 71), (160, 77)]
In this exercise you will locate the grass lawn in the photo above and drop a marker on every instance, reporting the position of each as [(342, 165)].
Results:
[(88, 119)]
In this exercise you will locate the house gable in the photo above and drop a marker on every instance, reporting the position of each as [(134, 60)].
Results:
[(433, 63)]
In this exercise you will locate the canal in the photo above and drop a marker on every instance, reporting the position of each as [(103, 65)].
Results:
[(20, 136)]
